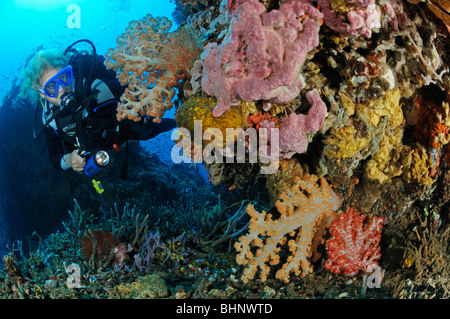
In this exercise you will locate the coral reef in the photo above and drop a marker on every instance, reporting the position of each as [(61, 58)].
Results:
[(354, 246), (295, 127), (306, 208), (200, 109), (362, 16), (351, 100), (360, 89), (150, 61), (262, 54)]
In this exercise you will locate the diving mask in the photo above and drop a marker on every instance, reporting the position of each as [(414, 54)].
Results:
[(61, 79)]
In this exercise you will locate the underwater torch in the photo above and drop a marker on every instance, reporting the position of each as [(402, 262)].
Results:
[(96, 163)]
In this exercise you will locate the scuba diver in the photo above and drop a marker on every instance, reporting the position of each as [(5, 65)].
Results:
[(79, 97)]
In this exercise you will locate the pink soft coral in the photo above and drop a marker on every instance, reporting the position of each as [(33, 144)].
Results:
[(354, 246)]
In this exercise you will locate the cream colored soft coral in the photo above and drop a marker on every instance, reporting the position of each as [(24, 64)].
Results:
[(152, 62), (306, 208)]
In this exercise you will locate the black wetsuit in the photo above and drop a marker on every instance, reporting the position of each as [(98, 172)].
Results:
[(106, 130)]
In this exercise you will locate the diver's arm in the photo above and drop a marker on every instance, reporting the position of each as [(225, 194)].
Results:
[(106, 83), (59, 159), (75, 161), (165, 125)]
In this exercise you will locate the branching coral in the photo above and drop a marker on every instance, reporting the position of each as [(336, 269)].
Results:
[(427, 248), (151, 62), (420, 57), (306, 208), (98, 247), (262, 55), (214, 230)]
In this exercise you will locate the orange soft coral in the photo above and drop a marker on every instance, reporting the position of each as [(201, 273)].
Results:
[(306, 207), (433, 127), (255, 120), (151, 62)]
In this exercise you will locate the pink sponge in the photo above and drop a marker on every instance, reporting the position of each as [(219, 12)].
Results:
[(362, 19), (293, 130), (262, 55)]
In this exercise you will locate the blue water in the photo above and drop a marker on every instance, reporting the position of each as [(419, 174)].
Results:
[(32, 23), (28, 25)]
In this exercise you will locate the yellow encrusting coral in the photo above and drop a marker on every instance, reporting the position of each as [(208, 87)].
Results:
[(376, 131), (391, 158), (306, 207), (382, 167), (419, 167), (388, 106), (200, 108), (346, 143)]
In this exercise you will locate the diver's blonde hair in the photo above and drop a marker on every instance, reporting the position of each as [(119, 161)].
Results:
[(39, 64)]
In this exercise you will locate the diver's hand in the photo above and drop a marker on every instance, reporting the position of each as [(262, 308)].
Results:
[(75, 161)]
